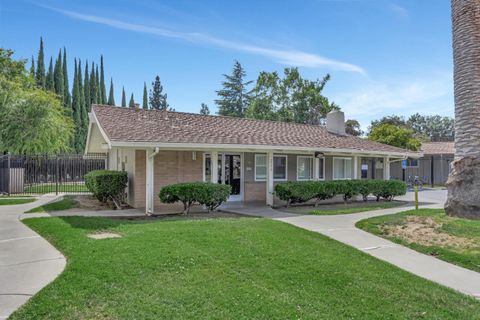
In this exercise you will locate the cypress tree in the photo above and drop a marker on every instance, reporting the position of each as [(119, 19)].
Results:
[(158, 100), (93, 88), (76, 108), (32, 69), (145, 96), (97, 84), (40, 73), (49, 81), (131, 104), (124, 102), (103, 91), (111, 98), (58, 77), (83, 114), (86, 89), (67, 100)]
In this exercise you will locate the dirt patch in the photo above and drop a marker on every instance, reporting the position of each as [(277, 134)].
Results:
[(190, 216), (425, 231), (103, 235), (90, 203)]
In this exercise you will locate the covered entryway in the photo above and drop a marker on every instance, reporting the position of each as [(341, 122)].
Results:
[(229, 171)]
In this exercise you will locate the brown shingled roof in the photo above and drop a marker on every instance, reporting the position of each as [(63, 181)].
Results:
[(438, 148), (138, 125)]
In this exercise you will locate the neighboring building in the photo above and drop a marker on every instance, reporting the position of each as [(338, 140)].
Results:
[(433, 168), (157, 148)]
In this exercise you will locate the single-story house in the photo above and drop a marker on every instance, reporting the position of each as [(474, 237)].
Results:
[(432, 168), (158, 148)]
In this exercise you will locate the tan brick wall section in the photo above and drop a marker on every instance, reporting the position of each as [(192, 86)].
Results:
[(170, 167)]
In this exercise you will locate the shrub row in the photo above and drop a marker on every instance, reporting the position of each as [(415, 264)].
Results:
[(107, 185), (209, 194), (303, 191)]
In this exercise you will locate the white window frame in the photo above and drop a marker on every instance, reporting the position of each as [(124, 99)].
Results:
[(286, 166), (333, 167), (266, 166), (317, 173), (255, 166), (410, 166), (312, 169)]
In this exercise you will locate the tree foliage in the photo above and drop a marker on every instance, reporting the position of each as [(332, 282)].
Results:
[(158, 99), (111, 95), (353, 128), (234, 97), (204, 109), (31, 119), (395, 136), (145, 97)]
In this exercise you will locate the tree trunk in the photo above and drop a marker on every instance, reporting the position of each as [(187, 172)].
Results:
[(464, 181)]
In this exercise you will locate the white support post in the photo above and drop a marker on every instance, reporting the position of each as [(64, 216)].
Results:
[(149, 197), (386, 168), (355, 167), (316, 168), (214, 160), (270, 178)]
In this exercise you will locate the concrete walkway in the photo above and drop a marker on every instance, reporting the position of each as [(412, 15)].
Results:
[(342, 228), (27, 262)]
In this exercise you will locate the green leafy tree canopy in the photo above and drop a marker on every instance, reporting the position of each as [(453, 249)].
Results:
[(395, 136)]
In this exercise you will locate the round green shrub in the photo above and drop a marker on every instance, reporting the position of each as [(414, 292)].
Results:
[(107, 184)]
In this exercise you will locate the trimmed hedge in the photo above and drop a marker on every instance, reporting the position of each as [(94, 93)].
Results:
[(303, 191), (107, 185), (209, 194)]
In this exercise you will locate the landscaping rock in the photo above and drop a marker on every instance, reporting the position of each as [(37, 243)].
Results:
[(464, 189)]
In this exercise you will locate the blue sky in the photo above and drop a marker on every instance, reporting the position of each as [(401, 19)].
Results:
[(384, 56)]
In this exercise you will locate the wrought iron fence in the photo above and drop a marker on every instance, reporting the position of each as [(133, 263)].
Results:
[(40, 174)]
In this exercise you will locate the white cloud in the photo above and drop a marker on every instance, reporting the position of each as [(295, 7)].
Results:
[(428, 95), (399, 10), (288, 57)]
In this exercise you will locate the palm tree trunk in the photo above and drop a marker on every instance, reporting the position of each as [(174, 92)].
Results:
[(464, 180)]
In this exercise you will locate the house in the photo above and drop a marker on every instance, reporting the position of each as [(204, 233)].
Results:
[(157, 148), (432, 168)]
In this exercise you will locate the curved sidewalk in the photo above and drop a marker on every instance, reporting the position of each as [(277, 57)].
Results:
[(27, 261), (342, 228)]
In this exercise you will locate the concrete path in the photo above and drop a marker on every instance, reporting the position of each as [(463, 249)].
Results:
[(27, 262), (342, 228)]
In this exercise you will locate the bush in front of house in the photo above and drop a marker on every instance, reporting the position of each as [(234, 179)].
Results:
[(303, 191), (107, 185), (209, 194)]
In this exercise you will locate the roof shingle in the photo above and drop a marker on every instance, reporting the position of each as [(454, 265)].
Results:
[(138, 125), (438, 148)]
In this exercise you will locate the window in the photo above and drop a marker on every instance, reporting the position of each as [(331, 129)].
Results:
[(412, 163), (279, 167), (304, 168), (260, 167), (342, 168), (321, 168)]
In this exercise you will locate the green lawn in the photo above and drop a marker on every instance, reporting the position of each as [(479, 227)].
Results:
[(51, 187), (351, 207), (451, 239), (68, 202), (12, 201), (236, 268)]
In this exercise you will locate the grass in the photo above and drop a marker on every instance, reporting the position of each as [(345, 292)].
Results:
[(68, 202), (467, 255), (51, 188), (351, 207), (237, 268), (12, 201)]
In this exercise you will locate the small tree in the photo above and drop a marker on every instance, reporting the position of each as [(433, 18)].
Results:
[(131, 103), (124, 99), (352, 127), (158, 99), (111, 98), (395, 136), (145, 97), (204, 109)]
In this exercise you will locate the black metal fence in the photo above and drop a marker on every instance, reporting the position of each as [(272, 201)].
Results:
[(40, 174)]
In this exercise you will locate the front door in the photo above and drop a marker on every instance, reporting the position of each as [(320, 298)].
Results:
[(229, 172)]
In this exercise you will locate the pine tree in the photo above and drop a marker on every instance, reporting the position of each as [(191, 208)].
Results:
[(49, 82), (124, 101), (111, 98), (93, 87), (204, 109), (145, 96), (131, 103), (58, 77), (32, 69), (158, 100), (234, 97), (67, 100), (103, 91), (86, 89), (40, 73)]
